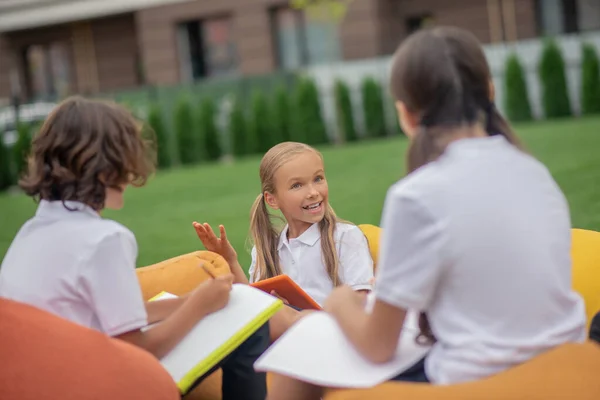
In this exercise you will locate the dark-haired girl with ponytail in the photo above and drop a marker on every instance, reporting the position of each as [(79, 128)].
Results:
[(476, 238)]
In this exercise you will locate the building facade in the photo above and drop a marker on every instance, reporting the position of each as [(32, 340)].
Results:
[(52, 48)]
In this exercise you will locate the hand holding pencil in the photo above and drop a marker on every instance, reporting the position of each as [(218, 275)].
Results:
[(213, 294)]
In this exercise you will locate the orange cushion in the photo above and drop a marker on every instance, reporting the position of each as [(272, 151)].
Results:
[(180, 275), (567, 372), (46, 357)]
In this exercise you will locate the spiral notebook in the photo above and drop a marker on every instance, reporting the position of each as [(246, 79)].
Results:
[(218, 334)]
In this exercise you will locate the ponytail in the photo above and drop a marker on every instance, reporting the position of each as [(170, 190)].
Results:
[(328, 250), (498, 125), (265, 239)]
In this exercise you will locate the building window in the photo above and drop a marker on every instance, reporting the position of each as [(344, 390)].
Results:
[(48, 71), (303, 40), (207, 48), (556, 17), (417, 22)]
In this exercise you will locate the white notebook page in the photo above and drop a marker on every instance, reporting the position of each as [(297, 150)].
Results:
[(315, 350), (245, 304)]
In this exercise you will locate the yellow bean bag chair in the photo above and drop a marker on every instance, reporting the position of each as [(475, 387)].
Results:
[(567, 372)]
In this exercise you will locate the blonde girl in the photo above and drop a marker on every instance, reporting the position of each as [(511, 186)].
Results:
[(315, 248)]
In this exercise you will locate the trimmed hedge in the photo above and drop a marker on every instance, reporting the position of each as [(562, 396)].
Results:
[(516, 96), (344, 112), (157, 124), (208, 130), (590, 80), (188, 139), (21, 148), (309, 126), (238, 130), (262, 132), (555, 96), (373, 108), (281, 111), (6, 174)]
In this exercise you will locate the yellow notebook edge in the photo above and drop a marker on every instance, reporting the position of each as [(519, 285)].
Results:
[(227, 347), (157, 296)]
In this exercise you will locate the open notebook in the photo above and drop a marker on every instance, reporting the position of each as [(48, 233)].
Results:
[(315, 350), (218, 334)]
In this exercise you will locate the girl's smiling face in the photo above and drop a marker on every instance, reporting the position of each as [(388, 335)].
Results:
[(301, 192)]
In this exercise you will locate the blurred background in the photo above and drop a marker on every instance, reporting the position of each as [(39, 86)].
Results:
[(222, 81)]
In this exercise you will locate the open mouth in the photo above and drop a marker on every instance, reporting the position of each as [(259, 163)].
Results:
[(313, 207)]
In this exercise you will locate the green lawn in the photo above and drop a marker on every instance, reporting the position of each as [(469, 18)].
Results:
[(161, 214)]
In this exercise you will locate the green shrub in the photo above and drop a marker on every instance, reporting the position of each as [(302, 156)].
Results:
[(374, 112), (260, 124), (208, 130), (21, 148), (555, 97), (590, 80), (344, 113), (516, 97), (7, 178), (157, 123), (238, 130), (281, 114), (188, 138), (309, 126)]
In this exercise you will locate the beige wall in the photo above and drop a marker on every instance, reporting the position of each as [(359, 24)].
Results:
[(116, 50), (4, 71), (371, 28), (157, 35)]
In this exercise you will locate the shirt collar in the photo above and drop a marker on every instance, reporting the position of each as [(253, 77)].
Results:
[(57, 209), (309, 237)]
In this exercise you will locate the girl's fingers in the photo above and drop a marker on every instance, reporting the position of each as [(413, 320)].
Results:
[(223, 233), (209, 231), (199, 229)]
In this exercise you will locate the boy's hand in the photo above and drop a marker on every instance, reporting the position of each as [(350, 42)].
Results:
[(274, 293), (212, 295), (211, 242)]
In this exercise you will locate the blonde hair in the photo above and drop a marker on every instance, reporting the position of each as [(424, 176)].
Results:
[(265, 236)]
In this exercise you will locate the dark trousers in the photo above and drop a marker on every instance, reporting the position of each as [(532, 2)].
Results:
[(595, 328), (240, 381), (416, 373)]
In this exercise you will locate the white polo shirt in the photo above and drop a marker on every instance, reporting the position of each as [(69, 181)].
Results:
[(302, 260), (480, 240), (78, 266)]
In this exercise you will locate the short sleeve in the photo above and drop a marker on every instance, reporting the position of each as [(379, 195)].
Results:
[(110, 285), (410, 261), (356, 263), (252, 268)]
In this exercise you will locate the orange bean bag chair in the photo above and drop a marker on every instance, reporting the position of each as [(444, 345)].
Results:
[(47, 357)]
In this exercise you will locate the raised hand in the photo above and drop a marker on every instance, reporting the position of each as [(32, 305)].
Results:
[(211, 242)]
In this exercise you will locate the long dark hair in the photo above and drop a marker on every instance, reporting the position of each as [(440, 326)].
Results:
[(443, 76)]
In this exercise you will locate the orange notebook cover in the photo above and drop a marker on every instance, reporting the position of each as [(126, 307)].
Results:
[(288, 289)]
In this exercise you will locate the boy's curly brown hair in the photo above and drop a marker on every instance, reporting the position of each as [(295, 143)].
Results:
[(83, 148)]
